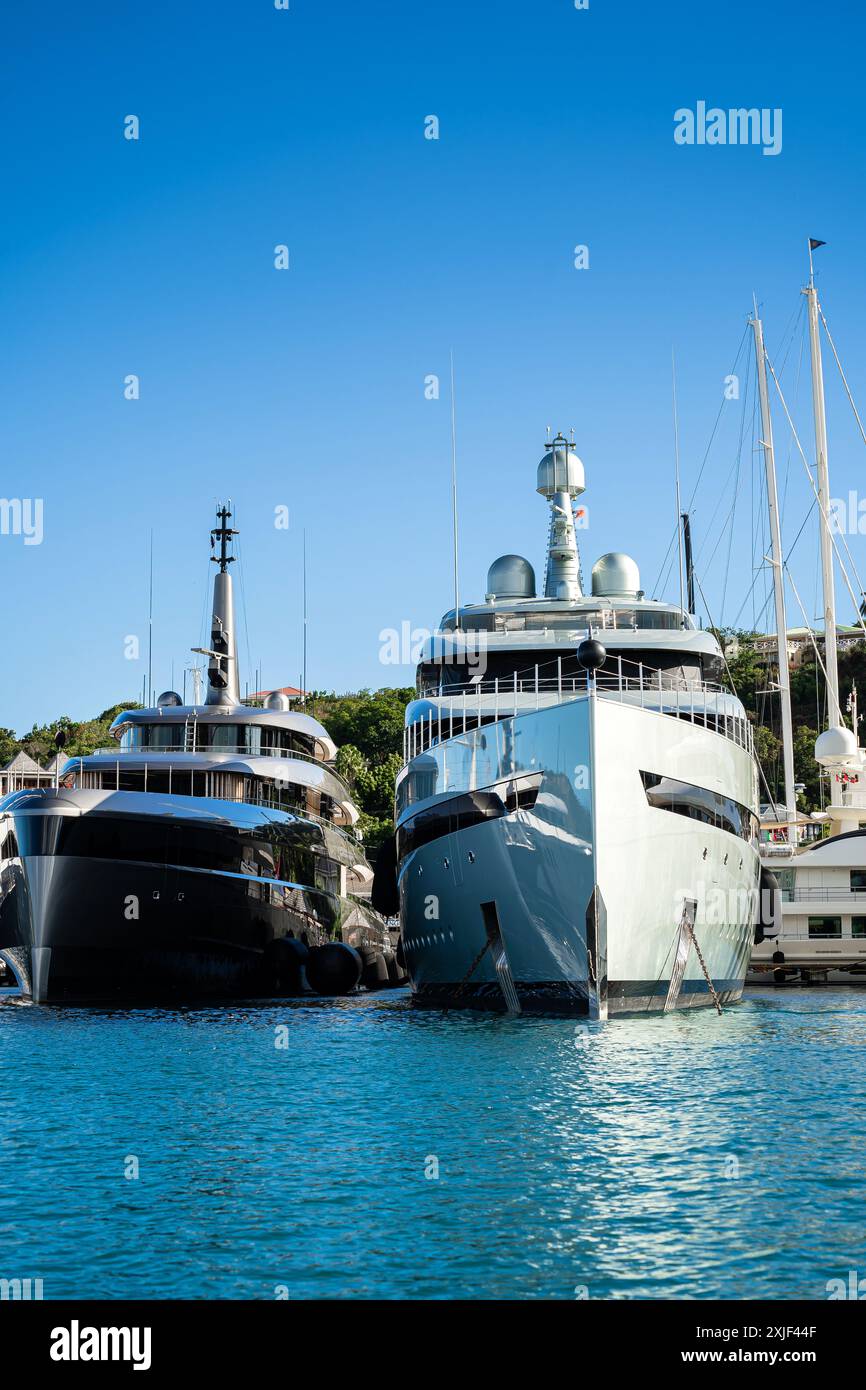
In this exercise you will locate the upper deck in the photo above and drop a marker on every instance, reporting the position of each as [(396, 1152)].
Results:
[(444, 711), (274, 758)]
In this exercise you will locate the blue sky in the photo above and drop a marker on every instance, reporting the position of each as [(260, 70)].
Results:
[(305, 387)]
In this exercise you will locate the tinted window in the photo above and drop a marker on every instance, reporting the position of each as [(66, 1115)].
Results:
[(280, 852), (825, 926), (698, 803)]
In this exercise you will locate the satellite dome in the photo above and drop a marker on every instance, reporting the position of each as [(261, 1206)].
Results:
[(511, 577), (835, 745), (277, 700), (615, 576), (561, 471), (169, 697)]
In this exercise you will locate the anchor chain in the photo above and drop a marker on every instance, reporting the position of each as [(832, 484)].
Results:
[(469, 973), (716, 1000)]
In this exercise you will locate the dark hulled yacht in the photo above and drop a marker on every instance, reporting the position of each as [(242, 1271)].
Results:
[(212, 852)]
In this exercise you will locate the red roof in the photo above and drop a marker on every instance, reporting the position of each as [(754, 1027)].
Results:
[(283, 690)]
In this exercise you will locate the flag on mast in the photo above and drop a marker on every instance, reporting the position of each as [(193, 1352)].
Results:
[(814, 243)]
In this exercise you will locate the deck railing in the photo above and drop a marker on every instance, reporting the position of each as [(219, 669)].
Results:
[(215, 749), (487, 701), (146, 750), (80, 770), (824, 895)]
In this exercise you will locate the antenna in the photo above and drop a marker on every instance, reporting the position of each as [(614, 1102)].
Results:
[(304, 672), (454, 500), (223, 534), (677, 477), (150, 629)]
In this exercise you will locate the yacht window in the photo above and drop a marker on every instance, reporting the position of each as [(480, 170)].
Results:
[(858, 879), (224, 735), (699, 803), (275, 741), (156, 736), (9, 847), (559, 620), (825, 926), (858, 926)]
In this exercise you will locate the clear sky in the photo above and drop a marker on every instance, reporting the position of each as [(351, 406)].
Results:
[(305, 387)]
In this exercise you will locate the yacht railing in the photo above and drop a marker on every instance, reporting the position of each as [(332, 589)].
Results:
[(701, 702), (80, 770), (803, 934), (234, 749), (212, 748), (824, 895)]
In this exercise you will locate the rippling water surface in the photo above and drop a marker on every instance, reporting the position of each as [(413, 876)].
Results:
[(678, 1157)]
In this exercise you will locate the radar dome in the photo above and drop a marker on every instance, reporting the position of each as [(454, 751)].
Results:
[(277, 700), (615, 576), (835, 745), (511, 577), (169, 697), (561, 471)]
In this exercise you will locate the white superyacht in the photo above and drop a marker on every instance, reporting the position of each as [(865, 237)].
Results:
[(576, 823)]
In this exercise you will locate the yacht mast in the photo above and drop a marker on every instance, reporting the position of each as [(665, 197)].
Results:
[(560, 480), (778, 573), (834, 718), (222, 671)]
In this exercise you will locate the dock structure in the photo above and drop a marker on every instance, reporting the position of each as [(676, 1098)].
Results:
[(823, 934), (22, 772)]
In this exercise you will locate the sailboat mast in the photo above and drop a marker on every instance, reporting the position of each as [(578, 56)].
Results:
[(834, 718), (778, 573)]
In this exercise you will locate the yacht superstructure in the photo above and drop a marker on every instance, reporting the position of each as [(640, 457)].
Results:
[(576, 817), (212, 851)]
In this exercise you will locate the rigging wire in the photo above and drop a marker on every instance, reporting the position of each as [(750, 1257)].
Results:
[(726, 489), (843, 376), (854, 600), (736, 488), (733, 687), (673, 540)]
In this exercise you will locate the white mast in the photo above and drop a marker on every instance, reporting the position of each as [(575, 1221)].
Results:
[(834, 718), (778, 574)]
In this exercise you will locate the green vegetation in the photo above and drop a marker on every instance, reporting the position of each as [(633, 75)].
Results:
[(367, 727), (81, 738), (368, 730), (752, 680)]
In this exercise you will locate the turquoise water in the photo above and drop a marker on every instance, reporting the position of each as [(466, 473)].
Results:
[(678, 1157)]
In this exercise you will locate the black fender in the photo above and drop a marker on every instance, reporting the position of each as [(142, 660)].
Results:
[(385, 897), (769, 920)]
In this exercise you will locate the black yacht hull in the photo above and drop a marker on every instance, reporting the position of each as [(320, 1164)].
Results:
[(78, 929)]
